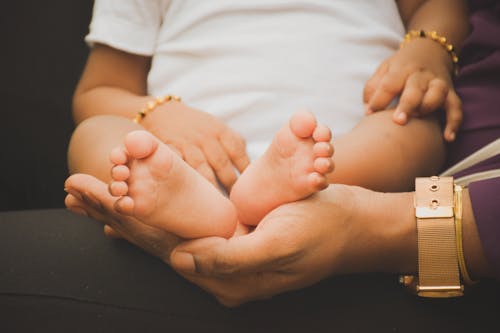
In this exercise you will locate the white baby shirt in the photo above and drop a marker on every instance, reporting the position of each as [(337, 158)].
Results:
[(253, 63)]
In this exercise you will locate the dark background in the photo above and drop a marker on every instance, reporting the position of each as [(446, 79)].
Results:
[(41, 58)]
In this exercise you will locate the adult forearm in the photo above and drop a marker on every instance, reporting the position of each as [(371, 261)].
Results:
[(384, 156)]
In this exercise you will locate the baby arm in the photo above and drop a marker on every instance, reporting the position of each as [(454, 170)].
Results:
[(420, 73), (114, 83)]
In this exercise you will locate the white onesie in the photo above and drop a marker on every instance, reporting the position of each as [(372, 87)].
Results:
[(253, 63)]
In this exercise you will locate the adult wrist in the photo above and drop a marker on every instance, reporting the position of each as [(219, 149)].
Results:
[(382, 232), (395, 231)]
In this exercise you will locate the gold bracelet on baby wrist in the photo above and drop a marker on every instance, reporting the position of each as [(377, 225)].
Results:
[(433, 35), (151, 105)]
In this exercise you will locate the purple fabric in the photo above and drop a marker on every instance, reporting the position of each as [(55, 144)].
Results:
[(478, 84), (485, 196)]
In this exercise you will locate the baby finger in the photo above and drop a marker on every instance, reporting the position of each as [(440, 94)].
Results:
[(390, 86), (372, 83), (197, 160), (435, 96), (454, 115), (235, 147), (410, 99), (220, 163)]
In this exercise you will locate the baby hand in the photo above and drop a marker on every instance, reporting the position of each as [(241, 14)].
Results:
[(203, 141), (420, 74)]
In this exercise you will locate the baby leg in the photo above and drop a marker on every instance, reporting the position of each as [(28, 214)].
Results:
[(159, 188), (92, 141), (294, 166)]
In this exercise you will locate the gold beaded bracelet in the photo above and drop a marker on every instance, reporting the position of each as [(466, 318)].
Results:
[(151, 105), (459, 233), (433, 35)]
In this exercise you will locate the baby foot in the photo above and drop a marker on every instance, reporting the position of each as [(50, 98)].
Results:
[(294, 166), (160, 189)]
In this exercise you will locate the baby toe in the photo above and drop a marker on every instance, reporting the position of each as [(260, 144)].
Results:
[(323, 149), (303, 124), (317, 181), (140, 144), (118, 156), (120, 172), (118, 189), (125, 205), (322, 134), (323, 165)]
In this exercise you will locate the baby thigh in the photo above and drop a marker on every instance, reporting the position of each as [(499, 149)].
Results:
[(93, 140)]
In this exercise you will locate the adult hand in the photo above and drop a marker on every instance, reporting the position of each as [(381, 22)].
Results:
[(89, 196), (343, 229), (203, 141), (420, 74), (301, 243)]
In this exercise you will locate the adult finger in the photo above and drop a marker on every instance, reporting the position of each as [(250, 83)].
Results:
[(235, 147), (374, 81), (411, 98), (220, 257), (454, 115), (99, 204), (79, 207), (220, 163), (92, 195), (111, 233), (435, 96), (75, 205), (389, 87)]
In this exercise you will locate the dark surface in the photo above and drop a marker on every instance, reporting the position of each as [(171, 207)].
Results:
[(41, 59), (59, 273)]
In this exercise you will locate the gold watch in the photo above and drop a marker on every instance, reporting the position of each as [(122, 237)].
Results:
[(438, 270)]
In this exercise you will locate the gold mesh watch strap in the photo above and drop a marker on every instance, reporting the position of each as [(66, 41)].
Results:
[(438, 270)]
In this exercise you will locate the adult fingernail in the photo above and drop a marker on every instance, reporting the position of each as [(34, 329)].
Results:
[(452, 136), (183, 261), (368, 110)]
